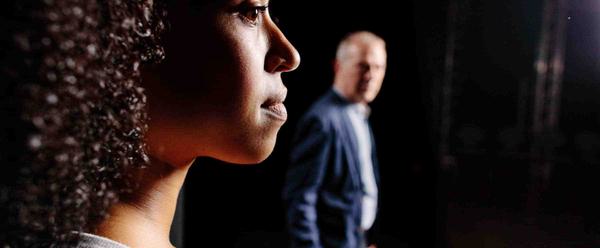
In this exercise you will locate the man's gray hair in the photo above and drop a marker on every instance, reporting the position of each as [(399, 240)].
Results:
[(353, 38)]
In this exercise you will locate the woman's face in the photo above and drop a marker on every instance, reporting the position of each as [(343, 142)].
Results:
[(219, 92)]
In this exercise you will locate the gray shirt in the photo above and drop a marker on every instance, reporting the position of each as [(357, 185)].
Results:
[(94, 241)]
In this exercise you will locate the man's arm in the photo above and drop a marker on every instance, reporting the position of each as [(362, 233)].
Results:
[(309, 156)]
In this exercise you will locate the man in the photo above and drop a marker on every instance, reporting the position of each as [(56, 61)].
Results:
[(331, 184)]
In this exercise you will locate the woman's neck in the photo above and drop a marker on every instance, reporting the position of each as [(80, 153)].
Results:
[(144, 219)]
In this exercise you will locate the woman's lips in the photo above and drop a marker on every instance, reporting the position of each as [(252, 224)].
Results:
[(276, 111), (274, 105)]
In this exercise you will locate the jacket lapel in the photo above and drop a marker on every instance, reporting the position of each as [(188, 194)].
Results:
[(349, 138)]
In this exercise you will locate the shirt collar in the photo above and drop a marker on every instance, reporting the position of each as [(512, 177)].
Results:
[(360, 108)]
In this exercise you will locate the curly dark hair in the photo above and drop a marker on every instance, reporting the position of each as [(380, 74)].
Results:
[(73, 112)]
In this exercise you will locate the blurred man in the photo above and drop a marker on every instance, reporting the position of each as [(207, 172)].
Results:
[(331, 185)]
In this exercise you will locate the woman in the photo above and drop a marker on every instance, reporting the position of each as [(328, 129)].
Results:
[(75, 146)]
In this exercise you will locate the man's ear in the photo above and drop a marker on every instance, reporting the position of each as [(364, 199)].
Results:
[(336, 65)]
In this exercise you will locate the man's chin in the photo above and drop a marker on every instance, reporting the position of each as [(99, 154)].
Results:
[(364, 99), (368, 98)]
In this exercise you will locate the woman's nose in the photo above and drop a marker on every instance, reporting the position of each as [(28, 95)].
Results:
[(282, 55)]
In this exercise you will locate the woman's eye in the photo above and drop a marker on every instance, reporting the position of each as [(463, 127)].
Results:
[(252, 14)]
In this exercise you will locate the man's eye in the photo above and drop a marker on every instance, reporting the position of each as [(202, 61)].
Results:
[(252, 14)]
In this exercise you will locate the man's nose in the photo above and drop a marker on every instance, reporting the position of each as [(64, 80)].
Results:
[(367, 75)]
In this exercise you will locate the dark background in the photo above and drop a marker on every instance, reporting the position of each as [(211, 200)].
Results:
[(484, 198)]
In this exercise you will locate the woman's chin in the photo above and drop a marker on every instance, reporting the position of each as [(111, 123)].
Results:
[(250, 155), (255, 157)]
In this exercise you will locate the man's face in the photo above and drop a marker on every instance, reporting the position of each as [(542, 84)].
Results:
[(360, 73)]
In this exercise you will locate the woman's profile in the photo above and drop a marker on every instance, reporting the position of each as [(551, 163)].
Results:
[(97, 138)]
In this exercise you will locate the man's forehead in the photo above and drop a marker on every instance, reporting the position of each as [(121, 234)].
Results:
[(374, 51)]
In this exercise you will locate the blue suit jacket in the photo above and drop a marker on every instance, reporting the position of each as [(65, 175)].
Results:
[(323, 188)]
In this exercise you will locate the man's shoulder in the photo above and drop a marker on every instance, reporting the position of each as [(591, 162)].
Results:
[(325, 112), (325, 107)]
